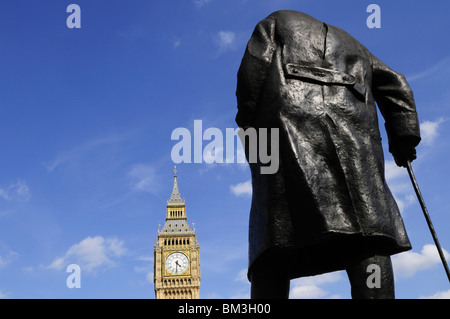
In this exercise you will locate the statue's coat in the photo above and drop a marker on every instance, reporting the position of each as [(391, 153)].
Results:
[(328, 203)]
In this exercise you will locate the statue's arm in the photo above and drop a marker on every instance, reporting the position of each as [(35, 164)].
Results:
[(253, 71), (396, 103)]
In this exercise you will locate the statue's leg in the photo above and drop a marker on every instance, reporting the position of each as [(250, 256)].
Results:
[(269, 283), (372, 278)]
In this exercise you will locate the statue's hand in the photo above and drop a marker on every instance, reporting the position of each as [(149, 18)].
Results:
[(403, 151)]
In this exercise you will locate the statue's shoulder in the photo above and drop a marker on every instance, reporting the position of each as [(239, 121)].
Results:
[(288, 16)]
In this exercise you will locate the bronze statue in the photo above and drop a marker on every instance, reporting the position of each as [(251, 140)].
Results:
[(328, 206)]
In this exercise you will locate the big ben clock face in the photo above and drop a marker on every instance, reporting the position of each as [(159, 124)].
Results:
[(177, 263)]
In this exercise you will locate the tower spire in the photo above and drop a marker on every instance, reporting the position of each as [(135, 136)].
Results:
[(175, 198)]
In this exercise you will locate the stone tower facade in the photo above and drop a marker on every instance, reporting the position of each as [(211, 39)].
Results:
[(176, 253)]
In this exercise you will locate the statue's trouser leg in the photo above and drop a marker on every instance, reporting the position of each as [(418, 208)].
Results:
[(269, 282), (372, 278)]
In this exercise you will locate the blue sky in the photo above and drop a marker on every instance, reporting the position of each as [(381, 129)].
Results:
[(86, 117)]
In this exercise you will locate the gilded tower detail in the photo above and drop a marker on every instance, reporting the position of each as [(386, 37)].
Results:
[(177, 253)]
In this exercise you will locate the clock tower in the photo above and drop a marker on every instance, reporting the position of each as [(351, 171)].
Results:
[(177, 253)]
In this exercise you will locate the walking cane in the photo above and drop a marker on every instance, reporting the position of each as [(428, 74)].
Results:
[(427, 217)]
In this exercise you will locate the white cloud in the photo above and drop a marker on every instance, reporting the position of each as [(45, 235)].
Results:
[(429, 131), (397, 177), (144, 178), (149, 277), (214, 155), (225, 40), (242, 276), (18, 191), (147, 268), (392, 171), (201, 3), (91, 253), (115, 247), (307, 292), (320, 279), (83, 151), (398, 180), (404, 202), (441, 68), (438, 295), (176, 43), (8, 257), (308, 287), (242, 189), (3, 194), (57, 264), (408, 263)]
